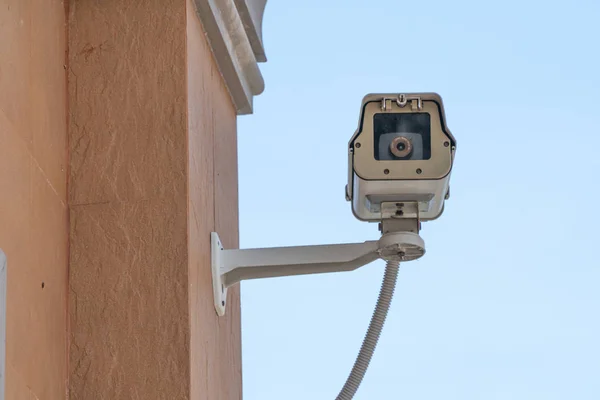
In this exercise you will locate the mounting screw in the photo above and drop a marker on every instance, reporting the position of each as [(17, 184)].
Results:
[(446, 144), (419, 170), (357, 145), (386, 171)]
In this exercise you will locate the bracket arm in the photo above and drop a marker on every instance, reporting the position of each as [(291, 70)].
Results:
[(232, 266), (239, 265)]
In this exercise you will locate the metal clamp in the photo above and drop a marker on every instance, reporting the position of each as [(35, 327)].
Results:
[(402, 100)]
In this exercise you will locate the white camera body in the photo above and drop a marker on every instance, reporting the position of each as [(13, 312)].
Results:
[(400, 158)]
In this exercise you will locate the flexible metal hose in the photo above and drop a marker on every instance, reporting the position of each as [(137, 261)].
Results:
[(370, 342)]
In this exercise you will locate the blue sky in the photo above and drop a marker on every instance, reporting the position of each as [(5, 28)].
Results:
[(505, 304)]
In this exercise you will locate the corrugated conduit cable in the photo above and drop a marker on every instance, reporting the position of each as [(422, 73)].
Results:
[(372, 336)]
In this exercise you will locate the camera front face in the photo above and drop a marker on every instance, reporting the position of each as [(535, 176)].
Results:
[(401, 153), (402, 136), (402, 140)]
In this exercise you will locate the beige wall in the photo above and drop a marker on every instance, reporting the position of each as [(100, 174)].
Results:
[(109, 285), (152, 172), (33, 210), (216, 368), (128, 141)]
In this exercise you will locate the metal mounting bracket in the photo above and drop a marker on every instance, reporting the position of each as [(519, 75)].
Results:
[(219, 289), (232, 266)]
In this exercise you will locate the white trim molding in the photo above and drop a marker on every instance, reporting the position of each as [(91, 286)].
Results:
[(252, 12), (234, 31)]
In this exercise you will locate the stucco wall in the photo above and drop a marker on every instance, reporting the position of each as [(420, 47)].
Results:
[(33, 203), (109, 285), (216, 368), (153, 171), (128, 195)]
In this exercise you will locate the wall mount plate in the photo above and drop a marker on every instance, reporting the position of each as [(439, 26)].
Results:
[(219, 289)]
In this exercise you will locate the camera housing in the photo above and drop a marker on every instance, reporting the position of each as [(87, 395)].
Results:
[(400, 158)]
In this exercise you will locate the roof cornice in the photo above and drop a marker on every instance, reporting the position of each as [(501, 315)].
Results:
[(234, 32)]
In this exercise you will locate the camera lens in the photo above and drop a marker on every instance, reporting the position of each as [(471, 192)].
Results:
[(402, 136), (401, 147)]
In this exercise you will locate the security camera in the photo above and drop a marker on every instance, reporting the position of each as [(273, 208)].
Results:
[(399, 163), (400, 158)]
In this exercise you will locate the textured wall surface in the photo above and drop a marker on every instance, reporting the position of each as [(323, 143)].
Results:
[(149, 115), (33, 181), (128, 299), (213, 205)]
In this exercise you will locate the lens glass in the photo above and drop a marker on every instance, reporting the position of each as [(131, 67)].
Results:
[(414, 127)]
